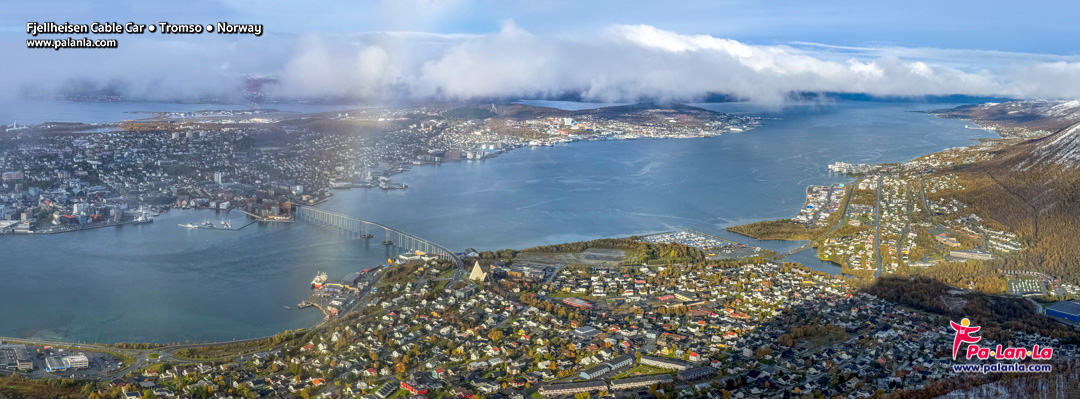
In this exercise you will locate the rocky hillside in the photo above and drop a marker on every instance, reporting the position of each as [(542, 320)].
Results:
[(1061, 149), (1034, 188), (1028, 118)]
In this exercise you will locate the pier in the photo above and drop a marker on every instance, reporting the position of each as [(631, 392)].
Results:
[(277, 219)]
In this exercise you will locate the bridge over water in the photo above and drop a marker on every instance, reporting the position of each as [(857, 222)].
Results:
[(353, 225)]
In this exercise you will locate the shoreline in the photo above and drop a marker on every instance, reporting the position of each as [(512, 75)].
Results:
[(567, 143)]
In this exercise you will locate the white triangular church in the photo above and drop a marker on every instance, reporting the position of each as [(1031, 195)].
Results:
[(478, 273)]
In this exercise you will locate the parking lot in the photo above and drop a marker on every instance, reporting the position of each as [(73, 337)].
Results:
[(99, 363), (1026, 286)]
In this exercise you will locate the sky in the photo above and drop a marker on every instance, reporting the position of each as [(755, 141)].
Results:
[(761, 50)]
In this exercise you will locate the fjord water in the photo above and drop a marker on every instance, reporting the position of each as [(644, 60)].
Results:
[(162, 283)]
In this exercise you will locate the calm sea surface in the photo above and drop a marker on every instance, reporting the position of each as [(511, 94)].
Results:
[(162, 283)]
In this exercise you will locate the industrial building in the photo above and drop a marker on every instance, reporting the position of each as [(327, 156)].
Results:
[(53, 363), (15, 357), (1069, 310)]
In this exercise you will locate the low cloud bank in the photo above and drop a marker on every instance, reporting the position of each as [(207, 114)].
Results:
[(621, 63)]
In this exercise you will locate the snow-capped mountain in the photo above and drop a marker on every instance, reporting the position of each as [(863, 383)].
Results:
[(1026, 118)]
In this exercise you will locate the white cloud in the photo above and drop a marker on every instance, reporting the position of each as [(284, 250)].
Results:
[(621, 63), (627, 62)]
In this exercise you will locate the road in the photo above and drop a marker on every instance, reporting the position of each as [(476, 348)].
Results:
[(877, 228), (843, 212), (926, 204), (907, 225), (843, 209)]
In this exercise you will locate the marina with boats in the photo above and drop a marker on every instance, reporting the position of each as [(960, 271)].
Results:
[(209, 225)]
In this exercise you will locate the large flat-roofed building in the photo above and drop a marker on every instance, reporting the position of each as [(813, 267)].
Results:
[(572, 388), (1069, 310), (77, 362), (578, 303), (640, 382), (665, 363), (15, 357), (585, 332), (685, 296), (972, 254), (54, 363)]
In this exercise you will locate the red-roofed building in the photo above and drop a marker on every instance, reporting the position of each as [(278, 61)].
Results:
[(414, 387)]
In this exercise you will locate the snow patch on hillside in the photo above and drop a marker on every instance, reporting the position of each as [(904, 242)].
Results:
[(1062, 148), (1064, 109)]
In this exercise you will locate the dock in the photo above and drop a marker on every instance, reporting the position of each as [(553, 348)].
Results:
[(229, 229), (273, 219), (93, 226), (216, 227), (331, 298)]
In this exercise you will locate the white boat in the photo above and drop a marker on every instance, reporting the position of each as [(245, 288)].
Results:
[(189, 225)]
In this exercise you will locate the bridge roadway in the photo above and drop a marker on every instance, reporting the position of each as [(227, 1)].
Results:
[(361, 227)]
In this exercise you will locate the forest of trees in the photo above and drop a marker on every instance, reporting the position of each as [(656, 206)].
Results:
[(978, 276), (637, 252), (1041, 204), (782, 229), (998, 316)]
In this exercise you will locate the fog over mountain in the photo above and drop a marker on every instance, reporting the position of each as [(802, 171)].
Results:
[(616, 63)]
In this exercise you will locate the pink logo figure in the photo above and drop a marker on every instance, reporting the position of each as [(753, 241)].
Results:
[(963, 334)]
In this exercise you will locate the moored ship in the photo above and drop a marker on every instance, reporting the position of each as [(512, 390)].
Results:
[(318, 281)]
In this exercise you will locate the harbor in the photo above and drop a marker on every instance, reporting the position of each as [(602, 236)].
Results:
[(222, 225), (337, 298), (518, 205), (225, 224)]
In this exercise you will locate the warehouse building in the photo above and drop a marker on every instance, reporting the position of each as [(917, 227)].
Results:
[(15, 357), (53, 363), (1069, 310)]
